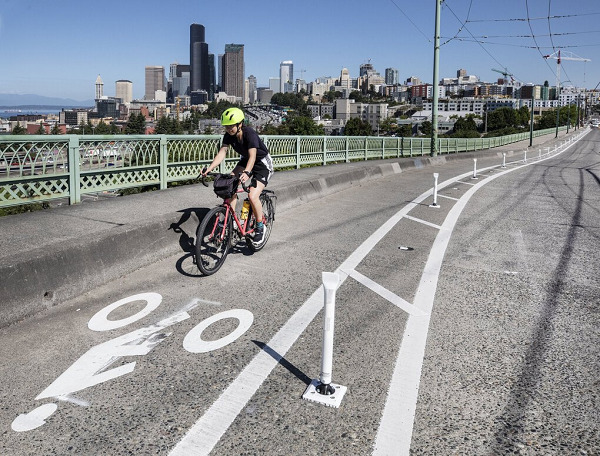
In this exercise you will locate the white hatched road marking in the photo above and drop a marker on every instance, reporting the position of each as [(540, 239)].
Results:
[(395, 430), (448, 197), (424, 222), (385, 293)]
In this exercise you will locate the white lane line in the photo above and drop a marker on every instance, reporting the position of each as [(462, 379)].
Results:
[(424, 222), (448, 197), (396, 426), (466, 183), (385, 293)]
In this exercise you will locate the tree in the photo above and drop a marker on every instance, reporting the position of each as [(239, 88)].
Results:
[(19, 130), (303, 126), (388, 126), (136, 125), (426, 128), (102, 128), (55, 130), (163, 126), (465, 127), (405, 130), (357, 127), (41, 130)]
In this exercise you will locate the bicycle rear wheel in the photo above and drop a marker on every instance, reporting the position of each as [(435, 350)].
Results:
[(212, 241), (269, 217)]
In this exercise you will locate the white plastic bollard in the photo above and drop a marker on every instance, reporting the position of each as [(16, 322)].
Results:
[(323, 390), (540, 153), (474, 169), (504, 159), (435, 190), (525, 157)]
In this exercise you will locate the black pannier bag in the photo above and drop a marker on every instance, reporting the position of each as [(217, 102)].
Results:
[(225, 185)]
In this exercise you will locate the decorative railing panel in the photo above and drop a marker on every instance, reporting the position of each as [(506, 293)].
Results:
[(44, 168)]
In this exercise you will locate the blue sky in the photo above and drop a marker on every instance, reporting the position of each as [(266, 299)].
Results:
[(58, 48)]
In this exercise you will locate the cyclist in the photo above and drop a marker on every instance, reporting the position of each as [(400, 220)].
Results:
[(255, 162)]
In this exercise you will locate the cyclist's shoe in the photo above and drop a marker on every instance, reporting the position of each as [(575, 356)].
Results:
[(259, 234)]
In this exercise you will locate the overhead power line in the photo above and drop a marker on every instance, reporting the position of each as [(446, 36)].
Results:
[(410, 20), (528, 19)]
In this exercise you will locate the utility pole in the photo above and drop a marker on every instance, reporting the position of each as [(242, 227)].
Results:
[(531, 120), (436, 60), (557, 56)]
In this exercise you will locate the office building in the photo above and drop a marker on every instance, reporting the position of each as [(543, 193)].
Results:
[(155, 80), (124, 90), (233, 70), (179, 82), (212, 73), (251, 94), (274, 85), (286, 76), (199, 64), (344, 81), (391, 76), (107, 107)]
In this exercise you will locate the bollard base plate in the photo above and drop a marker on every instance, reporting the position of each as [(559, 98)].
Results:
[(332, 400), (437, 206)]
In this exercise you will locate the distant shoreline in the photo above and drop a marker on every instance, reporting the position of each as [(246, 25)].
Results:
[(40, 107)]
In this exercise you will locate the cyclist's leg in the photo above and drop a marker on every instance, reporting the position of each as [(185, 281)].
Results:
[(254, 197), (263, 170)]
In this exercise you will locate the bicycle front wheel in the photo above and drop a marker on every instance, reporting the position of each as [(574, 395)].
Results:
[(212, 241)]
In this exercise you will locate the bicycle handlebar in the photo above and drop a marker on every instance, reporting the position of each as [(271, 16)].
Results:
[(203, 180)]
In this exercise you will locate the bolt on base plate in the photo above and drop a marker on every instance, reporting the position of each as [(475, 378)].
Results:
[(331, 400)]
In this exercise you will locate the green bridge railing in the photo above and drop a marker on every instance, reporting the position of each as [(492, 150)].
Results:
[(43, 168)]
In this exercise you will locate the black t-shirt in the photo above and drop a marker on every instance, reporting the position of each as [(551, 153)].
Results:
[(250, 139)]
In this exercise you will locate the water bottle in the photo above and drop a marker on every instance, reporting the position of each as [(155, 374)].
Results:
[(245, 209)]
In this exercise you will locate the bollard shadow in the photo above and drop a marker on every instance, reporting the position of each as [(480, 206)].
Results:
[(285, 363)]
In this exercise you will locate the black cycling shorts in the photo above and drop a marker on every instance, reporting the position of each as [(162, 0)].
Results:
[(262, 170)]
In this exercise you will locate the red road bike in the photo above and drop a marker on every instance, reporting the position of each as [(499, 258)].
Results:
[(222, 228)]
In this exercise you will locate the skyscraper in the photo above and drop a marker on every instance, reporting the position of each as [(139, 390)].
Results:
[(155, 80), (199, 65), (233, 70), (251, 88), (286, 76), (124, 90), (391, 76)]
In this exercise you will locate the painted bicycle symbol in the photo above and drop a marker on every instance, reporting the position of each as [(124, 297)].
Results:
[(93, 367)]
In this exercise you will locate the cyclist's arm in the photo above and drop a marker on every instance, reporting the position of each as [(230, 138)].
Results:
[(218, 159), (249, 165)]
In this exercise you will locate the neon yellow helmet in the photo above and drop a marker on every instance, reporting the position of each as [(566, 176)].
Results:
[(232, 116)]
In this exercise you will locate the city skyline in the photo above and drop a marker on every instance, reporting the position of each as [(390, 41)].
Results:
[(122, 39)]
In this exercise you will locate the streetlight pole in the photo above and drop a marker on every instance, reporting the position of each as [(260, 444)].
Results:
[(436, 60)]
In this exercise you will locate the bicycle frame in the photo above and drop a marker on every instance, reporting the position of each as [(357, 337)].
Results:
[(230, 212)]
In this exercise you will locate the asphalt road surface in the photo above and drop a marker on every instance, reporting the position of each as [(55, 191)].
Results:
[(469, 328)]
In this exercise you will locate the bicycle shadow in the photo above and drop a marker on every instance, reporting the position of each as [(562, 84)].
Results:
[(186, 228), (186, 264)]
